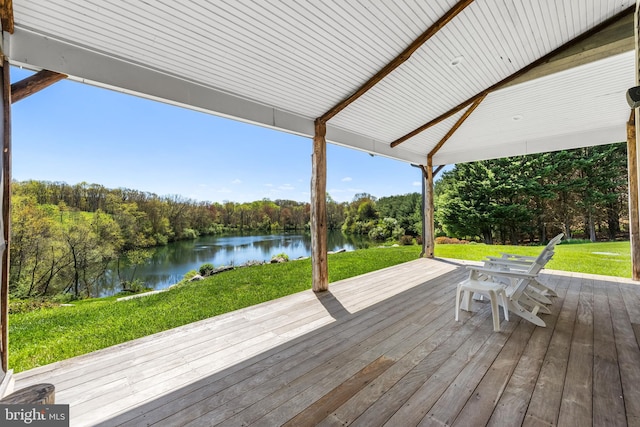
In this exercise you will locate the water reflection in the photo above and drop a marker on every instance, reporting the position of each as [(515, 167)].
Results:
[(169, 263)]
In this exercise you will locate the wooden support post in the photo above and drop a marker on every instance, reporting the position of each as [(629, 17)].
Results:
[(320, 270), (632, 160), (6, 212), (423, 171), (634, 218), (428, 238)]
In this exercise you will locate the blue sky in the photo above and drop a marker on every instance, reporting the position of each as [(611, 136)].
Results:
[(74, 132)]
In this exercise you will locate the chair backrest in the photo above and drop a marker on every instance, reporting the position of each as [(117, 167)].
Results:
[(548, 250), (553, 242), (542, 260), (518, 286)]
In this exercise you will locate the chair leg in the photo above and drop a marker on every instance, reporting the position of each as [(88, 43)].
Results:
[(505, 308), (466, 300), (538, 296), (531, 302), (522, 312), (458, 301), (545, 290), (495, 313)]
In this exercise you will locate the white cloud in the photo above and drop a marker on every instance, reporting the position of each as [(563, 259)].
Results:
[(346, 179), (268, 185), (236, 181), (286, 187), (416, 183)]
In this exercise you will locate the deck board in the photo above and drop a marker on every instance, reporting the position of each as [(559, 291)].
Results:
[(608, 407), (514, 401), (576, 404), (545, 401), (628, 355), (378, 349)]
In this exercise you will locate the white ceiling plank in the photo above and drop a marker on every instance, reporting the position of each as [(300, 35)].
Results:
[(281, 64)]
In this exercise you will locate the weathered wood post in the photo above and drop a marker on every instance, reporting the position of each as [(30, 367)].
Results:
[(320, 270), (6, 210), (632, 162), (634, 219), (428, 239)]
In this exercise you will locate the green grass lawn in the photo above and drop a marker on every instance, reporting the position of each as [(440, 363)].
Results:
[(606, 258), (50, 334)]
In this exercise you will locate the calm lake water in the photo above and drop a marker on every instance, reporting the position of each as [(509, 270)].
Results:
[(169, 263)]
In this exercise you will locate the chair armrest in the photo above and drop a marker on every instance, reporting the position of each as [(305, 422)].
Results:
[(518, 257), (501, 273), (506, 261)]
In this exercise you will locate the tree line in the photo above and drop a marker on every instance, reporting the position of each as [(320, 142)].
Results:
[(581, 192), (65, 238)]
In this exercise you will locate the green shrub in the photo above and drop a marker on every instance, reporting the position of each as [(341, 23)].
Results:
[(134, 286), (161, 240), (25, 306), (574, 241), (281, 255), (444, 240), (206, 269), (386, 228), (214, 229), (189, 233), (406, 240)]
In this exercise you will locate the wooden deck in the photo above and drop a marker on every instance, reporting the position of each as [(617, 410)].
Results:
[(378, 349)]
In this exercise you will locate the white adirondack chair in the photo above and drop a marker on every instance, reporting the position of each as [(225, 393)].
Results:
[(516, 262), (507, 288)]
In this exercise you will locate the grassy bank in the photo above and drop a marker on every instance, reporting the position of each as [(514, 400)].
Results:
[(51, 334)]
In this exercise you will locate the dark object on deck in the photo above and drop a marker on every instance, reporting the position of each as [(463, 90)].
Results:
[(38, 394)]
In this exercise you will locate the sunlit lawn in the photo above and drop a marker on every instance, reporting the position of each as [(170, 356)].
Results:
[(606, 258)]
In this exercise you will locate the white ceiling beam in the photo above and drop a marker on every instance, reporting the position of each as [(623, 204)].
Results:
[(532, 146), (36, 52)]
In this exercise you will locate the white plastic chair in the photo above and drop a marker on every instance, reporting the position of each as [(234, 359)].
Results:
[(494, 291), (507, 288)]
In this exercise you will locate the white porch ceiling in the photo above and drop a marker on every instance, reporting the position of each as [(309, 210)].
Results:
[(283, 63)]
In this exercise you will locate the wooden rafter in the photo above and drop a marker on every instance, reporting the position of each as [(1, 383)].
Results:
[(438, 169), (6, 15), (514, 76), (34, 83), (613, 40), (398, 60), (318, 181), (455, 127)]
